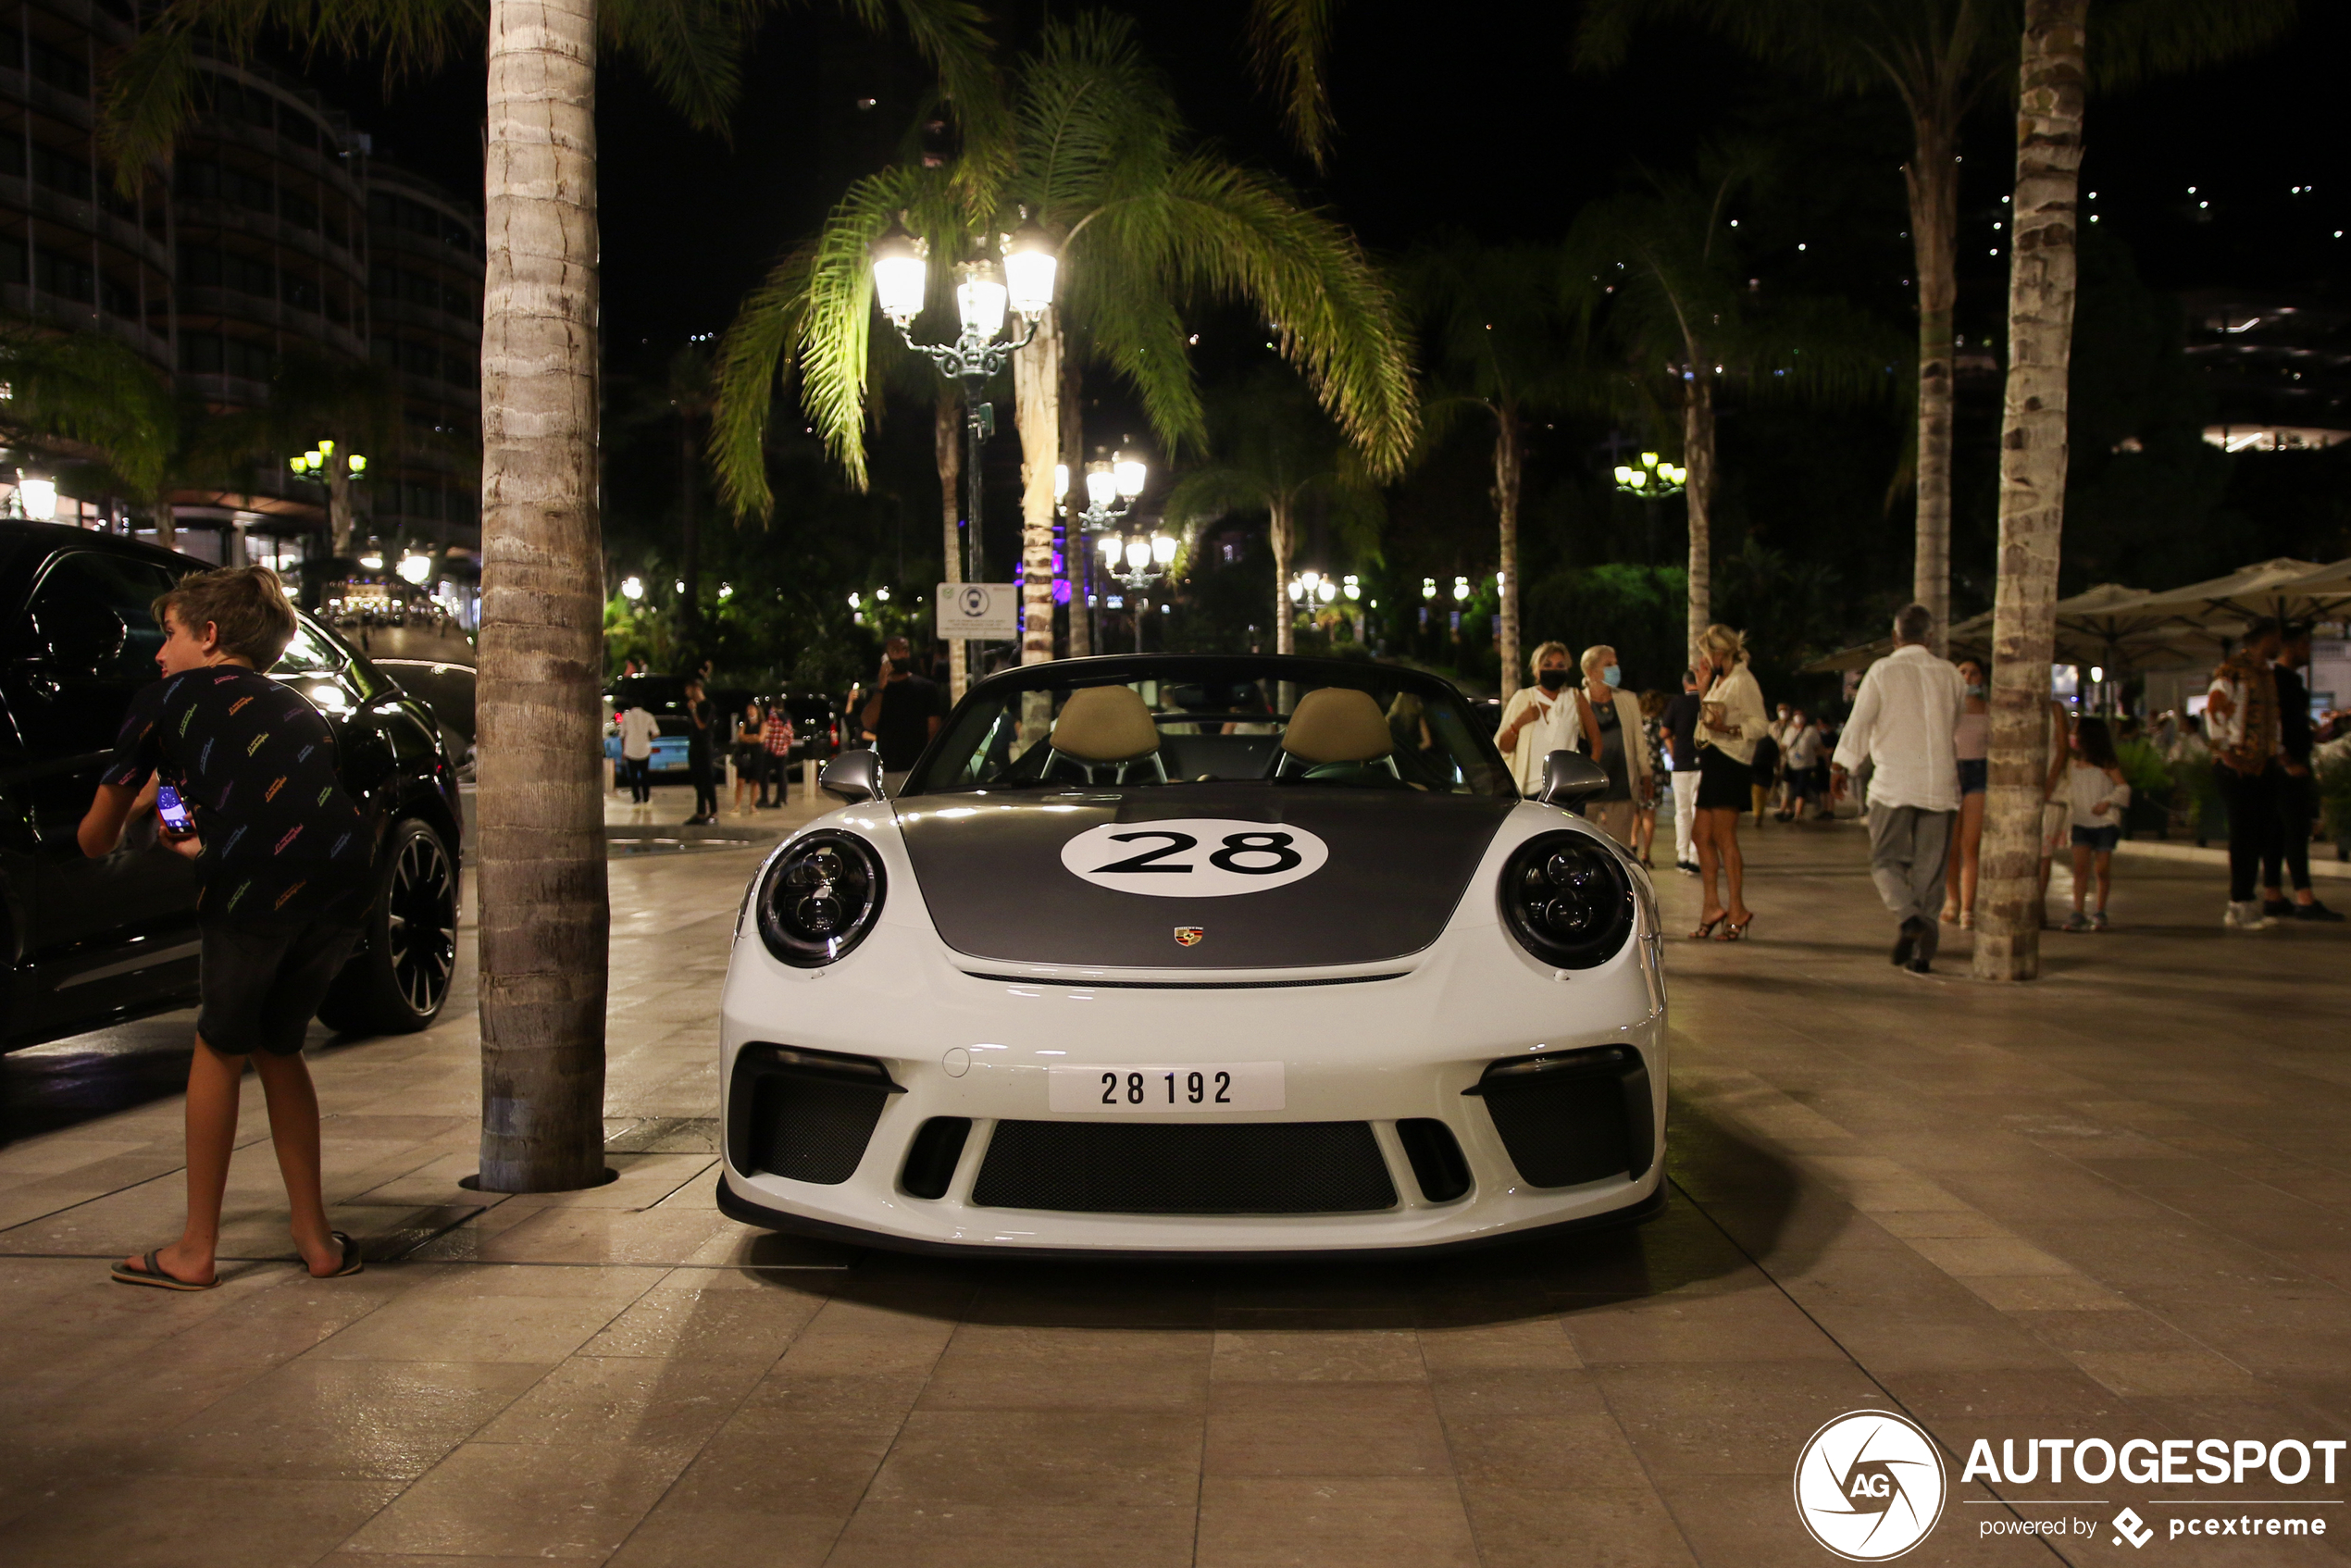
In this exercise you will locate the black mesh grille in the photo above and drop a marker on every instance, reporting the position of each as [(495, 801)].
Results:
[(1572, 1122), (803, 1114), (1143, 1168)]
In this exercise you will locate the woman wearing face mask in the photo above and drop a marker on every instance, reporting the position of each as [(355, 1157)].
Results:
[(1539, 719), (1971, 744), (1622, 755)]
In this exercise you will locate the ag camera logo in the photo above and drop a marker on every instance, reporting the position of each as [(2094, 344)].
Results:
[(1870, 1486)]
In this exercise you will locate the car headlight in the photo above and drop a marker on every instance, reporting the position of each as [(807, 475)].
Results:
[(817, 900), (1567, 900)]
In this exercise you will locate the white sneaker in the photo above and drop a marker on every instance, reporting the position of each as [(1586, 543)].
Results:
[(2245, 917)]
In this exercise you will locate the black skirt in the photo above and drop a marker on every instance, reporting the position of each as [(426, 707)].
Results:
[(1723, 782)]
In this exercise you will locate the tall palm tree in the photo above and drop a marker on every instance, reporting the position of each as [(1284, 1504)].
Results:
[(1147, 223), (545, 919), (1674, 297), (1273, 452), (691, 393), (1938, 57), (1499, 322), (2032, 461)]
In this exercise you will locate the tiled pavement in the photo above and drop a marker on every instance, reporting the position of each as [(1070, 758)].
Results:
[(2112, 1204)]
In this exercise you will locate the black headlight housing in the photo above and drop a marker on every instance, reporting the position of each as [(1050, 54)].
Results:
[(1567, 899), (818, 898)]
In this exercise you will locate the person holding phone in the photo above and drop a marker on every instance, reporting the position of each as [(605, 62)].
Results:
[(241, 771)]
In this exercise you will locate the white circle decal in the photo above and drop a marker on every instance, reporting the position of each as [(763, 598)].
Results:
[(1870, 1486), (1194, 857)]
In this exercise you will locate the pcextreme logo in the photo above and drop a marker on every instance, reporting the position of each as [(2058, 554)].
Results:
[(1870, 1486)]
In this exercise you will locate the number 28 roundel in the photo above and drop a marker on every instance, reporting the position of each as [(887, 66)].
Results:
[(1194, 857)]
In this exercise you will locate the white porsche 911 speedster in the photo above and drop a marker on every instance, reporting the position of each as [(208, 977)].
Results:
[(1195, 954)]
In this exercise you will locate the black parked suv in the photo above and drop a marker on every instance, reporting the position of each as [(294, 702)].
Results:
[(89, 942)]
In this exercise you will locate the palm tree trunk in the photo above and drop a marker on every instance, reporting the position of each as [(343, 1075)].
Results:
[(1507, 472), (1078, 551), (1698, 494), (1285, 540), (341, 524), (1934, 182), (689, 546), (947, 446), (1037, 385), (545, 919), (2033, 462)]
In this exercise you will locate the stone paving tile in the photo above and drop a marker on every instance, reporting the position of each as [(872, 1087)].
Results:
[(2043, 1209)]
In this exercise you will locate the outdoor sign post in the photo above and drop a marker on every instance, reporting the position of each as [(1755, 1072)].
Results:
[(978, 612)]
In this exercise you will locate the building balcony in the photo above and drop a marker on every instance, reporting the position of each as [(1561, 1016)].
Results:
[(198, 304), (198, 215), (464, 330), (84, 218)]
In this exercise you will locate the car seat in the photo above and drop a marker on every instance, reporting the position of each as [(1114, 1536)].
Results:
[(1103, 728)]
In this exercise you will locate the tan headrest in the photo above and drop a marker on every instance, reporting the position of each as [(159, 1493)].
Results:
[(1337, 724), (1104, 724)]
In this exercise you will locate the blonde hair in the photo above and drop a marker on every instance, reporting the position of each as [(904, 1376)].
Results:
[(1592, 655), (1722, 644), (1544, 651)]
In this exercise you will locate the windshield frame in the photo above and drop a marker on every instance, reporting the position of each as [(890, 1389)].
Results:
[(1122, 669)]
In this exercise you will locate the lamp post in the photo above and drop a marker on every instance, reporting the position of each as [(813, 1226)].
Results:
[(336, 470), (1652, 482), (34, 498), (1019, 276), (1111, 490), (1137, 561)]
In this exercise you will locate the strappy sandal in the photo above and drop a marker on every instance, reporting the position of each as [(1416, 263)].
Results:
[(151, 1273), (1734, 929), (351, 1261), (1705, 929)]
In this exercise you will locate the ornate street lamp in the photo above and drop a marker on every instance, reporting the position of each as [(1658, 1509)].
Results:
[(34, 499), (1111, 490), (1653, 481), (1137, 561), (986, 287)]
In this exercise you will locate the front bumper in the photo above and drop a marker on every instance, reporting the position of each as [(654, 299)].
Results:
[(959, 1037)]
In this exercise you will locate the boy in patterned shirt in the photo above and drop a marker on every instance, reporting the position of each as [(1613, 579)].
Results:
[(284, 863)]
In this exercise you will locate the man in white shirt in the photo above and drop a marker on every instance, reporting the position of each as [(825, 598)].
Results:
[(1905, 720), (637, 728)]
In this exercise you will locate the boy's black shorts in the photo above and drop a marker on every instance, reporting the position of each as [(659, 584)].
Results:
[(261, 983)]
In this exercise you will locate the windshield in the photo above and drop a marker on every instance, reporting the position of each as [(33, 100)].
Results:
[(1195, 719)]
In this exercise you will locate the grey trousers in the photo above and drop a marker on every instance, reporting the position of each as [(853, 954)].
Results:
[(1908, 850)]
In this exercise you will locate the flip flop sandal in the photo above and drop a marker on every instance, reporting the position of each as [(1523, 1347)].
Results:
[(155, 1277), (351, 1261)]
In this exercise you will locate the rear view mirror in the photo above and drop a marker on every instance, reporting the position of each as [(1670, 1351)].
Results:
[(1569, 776), (854, 777)]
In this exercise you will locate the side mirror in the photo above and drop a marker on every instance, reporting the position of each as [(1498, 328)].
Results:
[(854, 777), (1569, 776)]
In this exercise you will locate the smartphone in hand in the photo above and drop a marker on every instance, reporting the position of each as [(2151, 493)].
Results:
[(173, 812)]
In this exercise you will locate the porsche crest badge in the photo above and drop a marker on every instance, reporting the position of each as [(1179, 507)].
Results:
[(1189, 936)]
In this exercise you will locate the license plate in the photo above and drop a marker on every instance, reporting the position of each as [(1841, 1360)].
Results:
[(1188, 1086)]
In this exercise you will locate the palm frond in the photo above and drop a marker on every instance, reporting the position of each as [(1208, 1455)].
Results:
[(92, 392), (1204, 495), (952, 36), (149, 94), (754, 355), (691, 49), (1235, 234), (2130, 40), (1290, 46)]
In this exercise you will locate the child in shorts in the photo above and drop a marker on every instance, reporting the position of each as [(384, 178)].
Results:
[(283, 863), (2096, 797)]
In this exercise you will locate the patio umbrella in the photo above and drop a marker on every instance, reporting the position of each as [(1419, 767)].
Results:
[(2327, 582), (2267, 588)]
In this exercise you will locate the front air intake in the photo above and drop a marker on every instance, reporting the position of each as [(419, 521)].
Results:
[(1146, 1168), (806, 1115), (1573, 1117)]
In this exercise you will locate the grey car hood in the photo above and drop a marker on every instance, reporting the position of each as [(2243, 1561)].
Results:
[(991, 867)]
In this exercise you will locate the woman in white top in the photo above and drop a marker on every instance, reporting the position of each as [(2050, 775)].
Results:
[(2097, 796), (1971, 744), (1539, 719), (1731, 719)]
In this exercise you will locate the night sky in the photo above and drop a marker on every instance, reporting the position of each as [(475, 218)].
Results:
[(1479, 123)]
